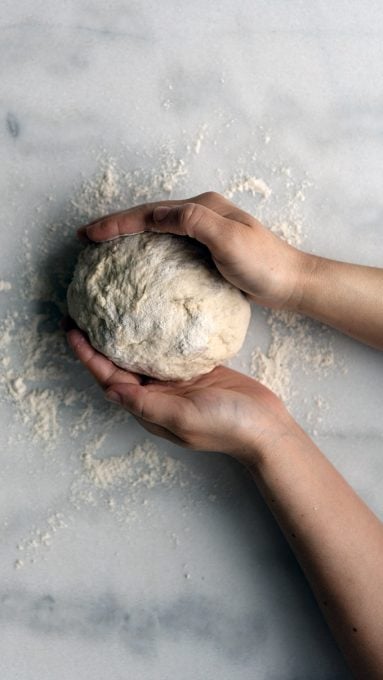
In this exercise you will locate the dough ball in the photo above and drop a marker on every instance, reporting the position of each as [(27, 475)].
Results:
[(156, 304)]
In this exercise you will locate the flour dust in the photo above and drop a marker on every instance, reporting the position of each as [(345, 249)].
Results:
[(56, 407)]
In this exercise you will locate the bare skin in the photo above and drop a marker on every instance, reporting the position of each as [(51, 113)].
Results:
[(273, 273), (335, 537)]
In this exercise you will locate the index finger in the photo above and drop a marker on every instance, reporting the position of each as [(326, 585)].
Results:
[(140, 218)]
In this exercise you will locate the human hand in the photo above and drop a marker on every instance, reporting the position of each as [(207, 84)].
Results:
[(220, 411), (247, 254)]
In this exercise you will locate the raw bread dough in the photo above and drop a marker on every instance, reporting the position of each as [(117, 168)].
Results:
[(156, 304)]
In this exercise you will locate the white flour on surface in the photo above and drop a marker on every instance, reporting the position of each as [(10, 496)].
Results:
[(57, 408), (143, 466), (252, 185), (40, 538), (114, 189), (122, 481), (295, 343)]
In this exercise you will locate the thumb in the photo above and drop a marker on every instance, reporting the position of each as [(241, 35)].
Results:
[(193, 220), (155, 407)]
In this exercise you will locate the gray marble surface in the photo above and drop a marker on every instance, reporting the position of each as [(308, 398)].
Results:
[(189, 580)]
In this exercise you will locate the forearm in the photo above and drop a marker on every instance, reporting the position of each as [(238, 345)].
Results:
[(337, 540), (346, 296)]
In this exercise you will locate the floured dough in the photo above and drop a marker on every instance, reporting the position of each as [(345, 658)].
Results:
[(155, 304)]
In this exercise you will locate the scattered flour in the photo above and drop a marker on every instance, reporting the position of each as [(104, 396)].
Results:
[(40, 538), (296, 343), (142, 466), (196, 147), (249, 184), (100, 192), (114, 189), (37, 376)]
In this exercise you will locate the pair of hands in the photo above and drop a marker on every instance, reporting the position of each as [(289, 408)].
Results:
[(224, 410), (342, 544)]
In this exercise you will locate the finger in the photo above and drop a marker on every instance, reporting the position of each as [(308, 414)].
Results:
[(140, 218), (131, 221), (82, 231), (196, 221), (102, 369), (224, 207), (159, 408)]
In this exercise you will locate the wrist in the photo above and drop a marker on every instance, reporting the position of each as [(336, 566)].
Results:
[(255, 446), (285, 451), (305, 268)]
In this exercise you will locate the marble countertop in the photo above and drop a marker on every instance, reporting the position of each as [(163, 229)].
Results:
[(122, 556)]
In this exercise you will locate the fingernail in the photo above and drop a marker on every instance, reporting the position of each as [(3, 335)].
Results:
[(161, 212), (114, 397)]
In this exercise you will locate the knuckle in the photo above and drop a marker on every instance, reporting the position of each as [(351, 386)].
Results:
[(104, 223), (211, 197), (108, 227), (230, 243), (140, 408), (234, 237), (190, 215), (214, 196), (119, 224), (97, 229)]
